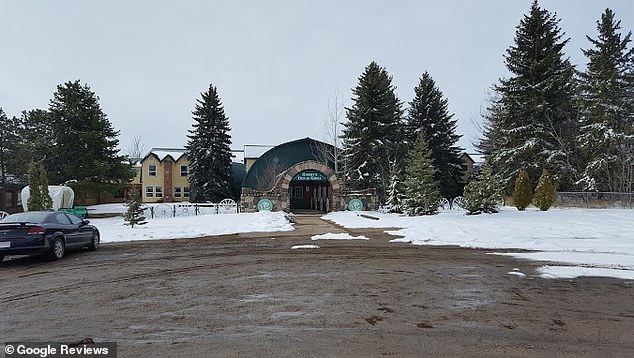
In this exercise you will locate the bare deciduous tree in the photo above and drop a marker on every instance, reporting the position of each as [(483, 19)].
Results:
[(136, 149), (330, 150)]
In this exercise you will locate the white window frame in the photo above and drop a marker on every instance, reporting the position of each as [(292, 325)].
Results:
[(149, 191), (185, 192), (151, 170), (178, 192), (158, 191), (185, 172)]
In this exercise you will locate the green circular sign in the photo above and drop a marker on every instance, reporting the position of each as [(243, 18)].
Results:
[(355, 205), (265, 205)]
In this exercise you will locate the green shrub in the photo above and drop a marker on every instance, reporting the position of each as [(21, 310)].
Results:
[(483, 194), (522, 193), (545, 192)]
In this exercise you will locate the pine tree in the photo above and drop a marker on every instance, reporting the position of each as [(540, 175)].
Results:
[(372, 137), (532, 120), (422, 193), (395, 195), (11, 164), (607, 93), (523, 193), (545, 192), (429, 114), (135, 213), (35, 129), (208, 150), (39, 198), (84, 144), (484, 193)]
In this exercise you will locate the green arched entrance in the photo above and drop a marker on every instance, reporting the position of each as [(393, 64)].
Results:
[(310, 190)]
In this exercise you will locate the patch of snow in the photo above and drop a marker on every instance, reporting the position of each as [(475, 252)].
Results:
[(298, 247), (577, 271), (114, 230), (341, 236), (595, 240)]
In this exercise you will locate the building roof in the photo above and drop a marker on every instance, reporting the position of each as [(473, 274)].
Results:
[(254, 151), (162, 153), (279, 158), (237, 156)]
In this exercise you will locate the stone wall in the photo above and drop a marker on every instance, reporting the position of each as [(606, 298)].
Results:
[(279, 195)]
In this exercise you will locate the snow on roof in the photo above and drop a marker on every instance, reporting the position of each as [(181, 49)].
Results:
[(252, 151), (162, 153), (477, 158), (237, 156)]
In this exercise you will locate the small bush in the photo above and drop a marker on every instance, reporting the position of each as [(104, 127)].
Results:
[(134, 215), (483, 194), (522, 193), (545, 192)]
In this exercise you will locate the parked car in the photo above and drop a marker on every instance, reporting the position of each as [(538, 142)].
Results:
[(45, 232)]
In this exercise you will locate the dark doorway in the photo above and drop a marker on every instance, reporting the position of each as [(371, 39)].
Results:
[(310, 190)]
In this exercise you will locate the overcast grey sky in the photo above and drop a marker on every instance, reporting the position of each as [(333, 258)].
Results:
[(276, 64)]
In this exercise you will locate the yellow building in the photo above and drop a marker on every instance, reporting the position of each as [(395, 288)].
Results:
[(162, 176)]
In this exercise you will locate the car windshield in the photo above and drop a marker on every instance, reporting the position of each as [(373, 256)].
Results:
[(27, 217)]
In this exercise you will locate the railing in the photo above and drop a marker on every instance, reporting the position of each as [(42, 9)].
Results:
[(595, 199), (226, 206)]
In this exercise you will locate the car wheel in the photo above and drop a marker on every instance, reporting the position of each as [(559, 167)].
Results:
[(58, 249), (94, 242)]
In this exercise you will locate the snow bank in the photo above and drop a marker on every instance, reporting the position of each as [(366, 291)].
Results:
[(114, 230), (600, 241)]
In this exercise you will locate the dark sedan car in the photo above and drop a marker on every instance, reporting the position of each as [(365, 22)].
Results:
[(45, 232)]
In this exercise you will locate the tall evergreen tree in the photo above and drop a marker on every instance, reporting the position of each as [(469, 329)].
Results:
[(84, 144), (429, 114), (532, 121), (11, 167), (372, 137), (422, 192), (607, 93), (208, 150), (35, 130)]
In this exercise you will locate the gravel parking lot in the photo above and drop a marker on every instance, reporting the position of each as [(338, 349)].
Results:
[(251, 295)]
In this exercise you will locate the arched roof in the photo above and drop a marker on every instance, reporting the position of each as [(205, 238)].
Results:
[(263, 173)]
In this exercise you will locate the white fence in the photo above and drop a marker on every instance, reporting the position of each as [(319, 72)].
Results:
[(165, 210)]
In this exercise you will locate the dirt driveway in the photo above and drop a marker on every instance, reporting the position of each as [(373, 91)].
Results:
[(250, 295)]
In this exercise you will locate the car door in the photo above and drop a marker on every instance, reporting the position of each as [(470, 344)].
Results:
[(84, 232), (70, 231)]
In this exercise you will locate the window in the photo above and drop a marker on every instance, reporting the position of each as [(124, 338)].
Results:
[(152, 170), (184, 170), (74, 219), (62, 219), (299, 192), (178, 193), (149, 191), (186, 192), (159, 191)]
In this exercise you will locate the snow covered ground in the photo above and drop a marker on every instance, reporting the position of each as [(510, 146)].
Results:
[(586, 242), (113, 229)]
